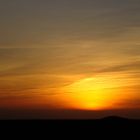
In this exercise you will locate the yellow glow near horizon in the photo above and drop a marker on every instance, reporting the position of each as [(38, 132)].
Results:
[(97, 93)]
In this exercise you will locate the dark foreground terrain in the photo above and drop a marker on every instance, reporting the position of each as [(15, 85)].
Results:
[(107, 124)]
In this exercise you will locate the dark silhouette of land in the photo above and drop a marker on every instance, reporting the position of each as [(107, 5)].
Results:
[(45, 114), (115, 118), (94, 127)]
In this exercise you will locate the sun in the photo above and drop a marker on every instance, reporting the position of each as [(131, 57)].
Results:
[(96, 93)]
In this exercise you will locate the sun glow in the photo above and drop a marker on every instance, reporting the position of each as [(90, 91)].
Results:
[(97, 93)]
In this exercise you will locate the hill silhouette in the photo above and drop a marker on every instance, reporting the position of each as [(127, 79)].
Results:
[(115, 118), (109, 123)]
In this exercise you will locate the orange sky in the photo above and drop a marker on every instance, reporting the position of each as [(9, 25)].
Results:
[(72, 55)]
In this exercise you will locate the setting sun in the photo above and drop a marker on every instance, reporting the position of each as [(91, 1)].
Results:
[(98, 93)]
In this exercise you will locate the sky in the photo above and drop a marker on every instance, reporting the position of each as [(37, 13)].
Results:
[(70, 54)]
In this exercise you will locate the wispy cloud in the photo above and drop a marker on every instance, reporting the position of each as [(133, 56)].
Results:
[(122, 67)]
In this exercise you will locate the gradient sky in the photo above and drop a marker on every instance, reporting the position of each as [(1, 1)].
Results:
[(71, 54)]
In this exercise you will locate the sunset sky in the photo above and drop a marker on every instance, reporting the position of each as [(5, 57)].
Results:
[(70, 54)]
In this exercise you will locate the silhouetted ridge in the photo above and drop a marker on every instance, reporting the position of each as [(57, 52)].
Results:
[(114, 118)]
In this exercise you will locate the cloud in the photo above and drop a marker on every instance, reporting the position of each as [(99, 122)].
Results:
[(122, 67), (131, 103)]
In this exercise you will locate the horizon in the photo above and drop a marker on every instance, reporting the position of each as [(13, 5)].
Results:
[(67, 114)]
